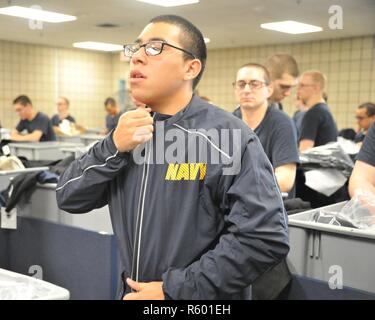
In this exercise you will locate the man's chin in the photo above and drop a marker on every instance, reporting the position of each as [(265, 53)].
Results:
[(138, 95), (247, 106)]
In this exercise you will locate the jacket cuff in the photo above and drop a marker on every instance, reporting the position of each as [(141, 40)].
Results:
[(112, 147), (175, 285)]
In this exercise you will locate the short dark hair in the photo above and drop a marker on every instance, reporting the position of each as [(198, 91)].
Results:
[(110, 101), (267, 77), (23, 100), (281, 63), (370, 108), (191, 39)]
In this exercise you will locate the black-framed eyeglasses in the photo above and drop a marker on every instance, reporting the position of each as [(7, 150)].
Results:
[(253, 84), (152, 48)]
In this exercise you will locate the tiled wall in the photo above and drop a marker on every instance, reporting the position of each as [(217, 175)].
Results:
[(349, 65), (45, 73), (88, 77)]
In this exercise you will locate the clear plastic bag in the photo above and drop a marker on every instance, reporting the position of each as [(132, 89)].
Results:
[(359, 213), (21, 289), (330, 155), (360, 210), (15, 286)]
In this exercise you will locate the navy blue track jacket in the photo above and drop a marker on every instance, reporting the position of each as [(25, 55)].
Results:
[(205, 231)]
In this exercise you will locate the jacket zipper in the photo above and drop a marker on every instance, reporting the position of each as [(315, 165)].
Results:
[(140, 211)]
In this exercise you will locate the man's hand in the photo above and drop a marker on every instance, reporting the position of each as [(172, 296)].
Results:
[(134, 127), (145, 290), (32, 137)]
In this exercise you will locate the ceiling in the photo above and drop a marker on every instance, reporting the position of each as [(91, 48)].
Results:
[(228, 23)]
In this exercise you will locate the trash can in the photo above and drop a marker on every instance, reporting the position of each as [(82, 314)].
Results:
[(16, 286), (320, 251)]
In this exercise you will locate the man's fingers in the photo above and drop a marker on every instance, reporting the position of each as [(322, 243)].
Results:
[(139, 113), (131, 296), (137, 286), (142, 137), (134, 127), (139, 122), (145, 130), (144, 107)]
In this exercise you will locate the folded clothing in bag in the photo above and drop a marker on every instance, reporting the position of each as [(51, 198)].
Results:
[(332, 218)]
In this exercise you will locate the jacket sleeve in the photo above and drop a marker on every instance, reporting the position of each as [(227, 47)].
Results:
[(254, 240), (83, 186)]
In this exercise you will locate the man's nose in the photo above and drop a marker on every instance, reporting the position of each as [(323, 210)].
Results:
[(139, 56), (247, 87), (287, 92)]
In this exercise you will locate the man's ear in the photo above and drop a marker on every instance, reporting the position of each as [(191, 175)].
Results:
[(270, 90), (192, 69), (317, 88)]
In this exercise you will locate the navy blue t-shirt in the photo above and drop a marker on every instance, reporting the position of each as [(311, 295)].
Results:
[(56, 120), (111, 121), (297, 119), (278, 137), (40, 122), (367, 152), (318, 125)]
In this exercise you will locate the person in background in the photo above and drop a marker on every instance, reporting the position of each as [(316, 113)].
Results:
[(273, 127), (365, 116), (318, 126), (284, 74), (279, 140), (113, 114), (363, 175), (63, 116), (299, 114), (33, 126)]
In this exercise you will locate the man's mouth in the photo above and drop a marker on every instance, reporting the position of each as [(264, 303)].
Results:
[(137, 75)]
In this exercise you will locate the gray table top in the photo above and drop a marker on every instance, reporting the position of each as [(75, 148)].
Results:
[(44, 145)]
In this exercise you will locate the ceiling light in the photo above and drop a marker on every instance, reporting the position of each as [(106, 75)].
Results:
[(169, 3), (36, 14), (100, 46), (207, 40), (290, 26)]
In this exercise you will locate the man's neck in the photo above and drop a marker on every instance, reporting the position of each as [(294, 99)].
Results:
[(314, 100), (272, 99), (253, 117), (63, 115), (32, 115), (172, 104)]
